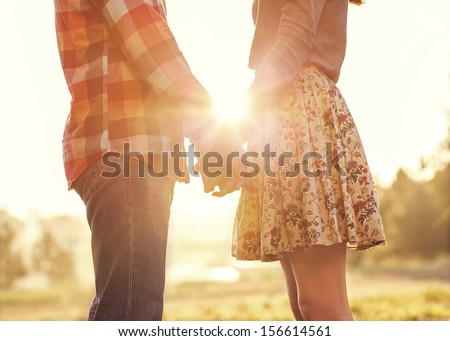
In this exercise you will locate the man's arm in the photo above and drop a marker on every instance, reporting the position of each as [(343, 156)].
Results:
[(144, 37), (146, 40)]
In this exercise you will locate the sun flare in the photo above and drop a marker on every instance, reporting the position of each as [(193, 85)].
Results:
[(229, 108)]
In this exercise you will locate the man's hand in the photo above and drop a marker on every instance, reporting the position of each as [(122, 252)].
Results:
[(228, 177), (220, 160), (232, 180)]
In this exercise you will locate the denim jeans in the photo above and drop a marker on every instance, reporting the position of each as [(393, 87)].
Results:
[(128, 217)]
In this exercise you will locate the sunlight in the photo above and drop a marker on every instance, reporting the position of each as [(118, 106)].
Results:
[(194, 273), (229, 107), (224, 274)]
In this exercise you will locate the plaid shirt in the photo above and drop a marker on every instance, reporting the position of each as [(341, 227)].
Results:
[(127, 78)]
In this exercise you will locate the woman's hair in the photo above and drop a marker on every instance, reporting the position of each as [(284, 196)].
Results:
[(357, 2)]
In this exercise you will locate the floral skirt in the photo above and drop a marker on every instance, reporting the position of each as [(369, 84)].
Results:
[(313, 185)]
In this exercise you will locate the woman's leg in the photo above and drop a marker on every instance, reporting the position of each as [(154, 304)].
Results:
[(321, 282), (291, 287)]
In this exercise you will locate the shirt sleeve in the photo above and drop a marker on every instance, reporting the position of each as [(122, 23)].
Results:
[(144, 37), (296, 32), (146, 40)]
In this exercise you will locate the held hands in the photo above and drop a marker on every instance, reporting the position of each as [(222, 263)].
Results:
[(221, 147), (220, 161)]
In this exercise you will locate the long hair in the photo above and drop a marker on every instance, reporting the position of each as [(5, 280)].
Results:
[(357, 2)]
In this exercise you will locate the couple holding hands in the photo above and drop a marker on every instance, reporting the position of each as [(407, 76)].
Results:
[(131, 86)]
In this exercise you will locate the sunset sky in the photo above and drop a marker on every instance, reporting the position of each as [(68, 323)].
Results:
[(395, 79)]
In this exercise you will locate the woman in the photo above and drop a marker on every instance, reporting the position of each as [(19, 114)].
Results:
[(307, 207)]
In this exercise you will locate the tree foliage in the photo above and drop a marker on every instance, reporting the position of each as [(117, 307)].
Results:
[(12, 266), (416, 215), (52, 260)]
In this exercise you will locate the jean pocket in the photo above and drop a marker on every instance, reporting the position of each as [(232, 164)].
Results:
[(86, 184)]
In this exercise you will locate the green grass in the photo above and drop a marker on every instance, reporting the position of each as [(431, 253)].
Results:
[(429, 304), (15, 298), (259, 295), (56, 304)]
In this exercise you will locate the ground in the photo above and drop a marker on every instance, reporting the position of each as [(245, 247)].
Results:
[(409, 292)]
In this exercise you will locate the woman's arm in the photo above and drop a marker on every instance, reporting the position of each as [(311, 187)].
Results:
[(294, 39), (266, 15)]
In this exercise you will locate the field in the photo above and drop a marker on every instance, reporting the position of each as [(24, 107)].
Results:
[(409, 292)]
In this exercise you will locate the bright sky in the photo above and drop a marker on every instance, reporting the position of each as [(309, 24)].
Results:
[(395, 80)]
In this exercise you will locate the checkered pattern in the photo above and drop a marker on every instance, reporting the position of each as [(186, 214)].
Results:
[(123, 67)]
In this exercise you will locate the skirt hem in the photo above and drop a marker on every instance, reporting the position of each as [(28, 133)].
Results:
[(276, 257)]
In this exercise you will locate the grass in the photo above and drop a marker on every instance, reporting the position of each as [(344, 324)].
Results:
[(426, 305), (259, 295)]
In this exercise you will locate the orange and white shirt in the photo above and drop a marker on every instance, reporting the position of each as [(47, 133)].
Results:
[(130, 83)]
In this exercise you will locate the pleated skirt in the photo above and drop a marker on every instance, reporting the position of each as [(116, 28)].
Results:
[(312, 184)]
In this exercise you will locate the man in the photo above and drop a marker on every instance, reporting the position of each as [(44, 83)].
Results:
[(132, 93)]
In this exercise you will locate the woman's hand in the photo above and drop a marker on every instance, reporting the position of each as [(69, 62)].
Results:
[(220, 160), (265, 93), (266, 89)]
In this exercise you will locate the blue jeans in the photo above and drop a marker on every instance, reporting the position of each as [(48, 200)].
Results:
[(128, 217)]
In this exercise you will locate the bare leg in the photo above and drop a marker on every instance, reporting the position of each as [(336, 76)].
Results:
[(321, 283), (291, 287)]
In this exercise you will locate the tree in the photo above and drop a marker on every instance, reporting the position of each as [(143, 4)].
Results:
[(12, 267), (52, 260), (416, 214)]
